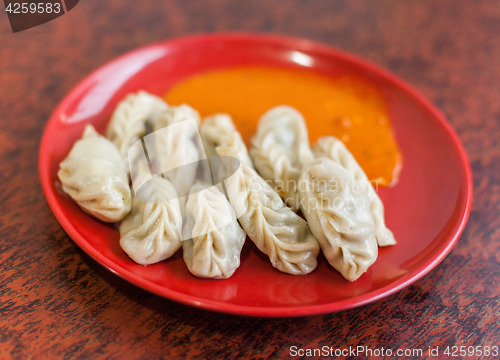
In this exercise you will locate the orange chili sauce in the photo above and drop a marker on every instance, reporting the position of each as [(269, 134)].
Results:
[(349, 108)]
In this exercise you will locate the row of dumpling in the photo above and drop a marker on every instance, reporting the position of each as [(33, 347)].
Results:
[(182, 208), (341, 207)]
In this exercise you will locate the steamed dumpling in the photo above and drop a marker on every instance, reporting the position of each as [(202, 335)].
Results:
[(279, 150), (274, 228), (215, 238), (95, 176), (152, 231), (339, 215), (129, 120), (177, 147), (335, 150)]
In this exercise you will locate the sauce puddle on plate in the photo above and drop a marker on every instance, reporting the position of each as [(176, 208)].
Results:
[(347, 107)]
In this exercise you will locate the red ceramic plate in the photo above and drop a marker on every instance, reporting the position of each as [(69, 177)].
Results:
[(427, 210)]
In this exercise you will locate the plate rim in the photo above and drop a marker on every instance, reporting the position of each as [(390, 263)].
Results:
[(293, 43)]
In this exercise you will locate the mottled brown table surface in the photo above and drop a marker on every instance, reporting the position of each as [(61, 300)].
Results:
[(56, 302)]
